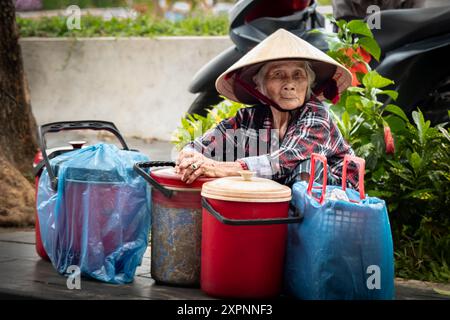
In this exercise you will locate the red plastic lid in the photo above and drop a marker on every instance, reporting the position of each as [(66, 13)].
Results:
[(168, 178)]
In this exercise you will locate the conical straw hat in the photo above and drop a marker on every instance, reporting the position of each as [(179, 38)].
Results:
[(280, 45)]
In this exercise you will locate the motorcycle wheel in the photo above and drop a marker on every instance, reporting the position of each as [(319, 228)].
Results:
[(204, 101)]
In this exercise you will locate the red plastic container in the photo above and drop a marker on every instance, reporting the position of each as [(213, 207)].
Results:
[(38, 165), (243, 237), (39, 246)]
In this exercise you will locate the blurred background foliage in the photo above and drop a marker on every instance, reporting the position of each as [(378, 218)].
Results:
[(93, 26)]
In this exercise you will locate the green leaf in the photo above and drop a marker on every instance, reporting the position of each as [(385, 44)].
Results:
[(396, 124), (397, 111), (379, 193), (355, 90), (371, 161), (346, 119), (330, 17), (336, 113), (317, 31), (391, 93), (374, 80), (415, 161), (423, 194), (445, 133), (357, 102), (341, 24), (422, 126), (365, 150), (395, 164), (359, 27), (337, 109), (377, 139), (334, 45), (195, 125), (371, 46), (379, 173)]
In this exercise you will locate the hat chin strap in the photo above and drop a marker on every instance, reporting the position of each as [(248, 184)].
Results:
[(258, 94)]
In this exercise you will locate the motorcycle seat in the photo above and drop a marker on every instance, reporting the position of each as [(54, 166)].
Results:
[(402, 26)]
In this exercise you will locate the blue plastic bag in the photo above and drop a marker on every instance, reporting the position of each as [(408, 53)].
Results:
[(341, 250), (99, 217)]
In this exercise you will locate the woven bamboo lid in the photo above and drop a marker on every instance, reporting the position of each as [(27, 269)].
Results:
[(246, 189)]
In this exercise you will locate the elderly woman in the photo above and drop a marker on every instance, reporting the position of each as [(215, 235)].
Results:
[(285, 78)]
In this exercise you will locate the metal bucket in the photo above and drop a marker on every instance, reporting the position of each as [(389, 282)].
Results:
[(176, 225)]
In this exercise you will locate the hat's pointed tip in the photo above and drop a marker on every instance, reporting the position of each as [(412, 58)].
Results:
[(281, 32), (285, 36)]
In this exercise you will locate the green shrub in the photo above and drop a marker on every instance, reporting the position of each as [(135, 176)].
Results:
[(193, 126), (62, 4), (423, 253), (142, 26)]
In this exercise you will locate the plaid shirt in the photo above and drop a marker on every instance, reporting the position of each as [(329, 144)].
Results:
[(310, 130)]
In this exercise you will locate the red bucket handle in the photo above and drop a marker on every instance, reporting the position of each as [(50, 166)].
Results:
[(323, 159), (361, 163)]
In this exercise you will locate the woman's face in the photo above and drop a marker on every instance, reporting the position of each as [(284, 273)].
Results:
[(286, 83)]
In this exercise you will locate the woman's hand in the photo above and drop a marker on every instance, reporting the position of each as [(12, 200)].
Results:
[(191, 165)]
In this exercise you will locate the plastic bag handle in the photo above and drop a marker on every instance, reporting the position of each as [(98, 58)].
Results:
[(323, 159), (361, 163)]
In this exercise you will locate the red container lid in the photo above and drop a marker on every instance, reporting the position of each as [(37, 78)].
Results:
[(171, 180)]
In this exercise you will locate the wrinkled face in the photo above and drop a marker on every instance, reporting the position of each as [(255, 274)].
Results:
[(285, 82)]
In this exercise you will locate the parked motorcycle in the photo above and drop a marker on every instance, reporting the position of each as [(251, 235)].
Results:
[(415, 44)]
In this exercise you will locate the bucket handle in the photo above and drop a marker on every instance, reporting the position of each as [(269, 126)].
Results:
[(72, 125), (253, 222), (139, 166), (323, 159)]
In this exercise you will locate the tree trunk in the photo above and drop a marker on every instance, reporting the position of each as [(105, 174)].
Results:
[(17, 127)]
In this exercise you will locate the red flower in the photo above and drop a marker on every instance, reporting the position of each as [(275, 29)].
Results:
[(359, 51), (364, 54), (388, 140), (357, 66)]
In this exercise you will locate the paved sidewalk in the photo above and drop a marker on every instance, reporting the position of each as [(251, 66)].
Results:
[(24, 275)]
